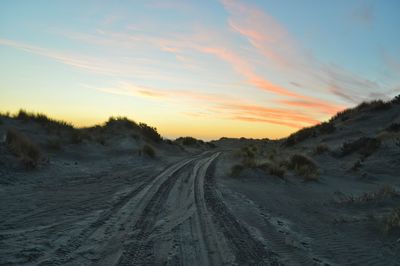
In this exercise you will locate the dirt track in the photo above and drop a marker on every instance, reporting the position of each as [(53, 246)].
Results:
[(175, 217)]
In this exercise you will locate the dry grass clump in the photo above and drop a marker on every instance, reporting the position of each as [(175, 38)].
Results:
[(357, 165), (277, 170), (321, 149), (396, 100), (237, 169), (394, 127), (76, 136), (150, 133), (300, 136), (310, 132), (392, 221), (326, 127), (376, 105), (247, 154), (211, 145), (46, 122), (304, 167), (364, 145), (22, 147), (188, 141), (381, 194), (118, 123), (149, 151)]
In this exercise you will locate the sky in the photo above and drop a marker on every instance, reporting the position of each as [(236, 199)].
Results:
[(208, 69)]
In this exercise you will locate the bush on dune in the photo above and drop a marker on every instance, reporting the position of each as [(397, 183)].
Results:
[(364, 145), (396, 100), (309, 132), (43, 120), (392, 221), (237, 169), (188, 141), (394, 127), (150, 132), (149, 151), (121, 121), (304, 167), (381, 194), (376, 105), (22, 147), (321, 149)]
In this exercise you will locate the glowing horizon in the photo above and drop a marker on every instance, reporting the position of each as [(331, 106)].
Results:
[(260, 69)]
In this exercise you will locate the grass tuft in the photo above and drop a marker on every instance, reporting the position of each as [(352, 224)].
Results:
[(392, 221), (364, 145), (304, 167), (237, 169), (46, 122), (24, 148), (150, 132), (321, 149), (149, 151), (381, 194)]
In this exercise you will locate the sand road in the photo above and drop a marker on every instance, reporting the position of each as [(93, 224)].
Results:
[(175, 217), (174, 221)]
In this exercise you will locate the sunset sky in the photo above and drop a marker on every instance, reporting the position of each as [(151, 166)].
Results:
[(202, 68)]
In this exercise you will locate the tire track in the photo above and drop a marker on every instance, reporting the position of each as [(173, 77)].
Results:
[(247, 250)]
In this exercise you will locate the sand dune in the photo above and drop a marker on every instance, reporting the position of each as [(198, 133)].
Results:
[(119, 195)]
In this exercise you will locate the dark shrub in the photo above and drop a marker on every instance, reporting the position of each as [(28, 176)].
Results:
[(276, 170), (396, 100), (149, 151), (188, 141), (364, 145), (356, 165), (326, 128), (342, 115), (304, 167), (121, 122), (381, 194), (380, 105), (237, 169), (169, 142), (394, 127), (46, 122), (211, 145), (392, 221), (76, 136), (22, 147), (321, 148), (300, 136), (150, 132)]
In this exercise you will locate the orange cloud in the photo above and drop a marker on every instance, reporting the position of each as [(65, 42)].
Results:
[(256, 113), (265, 120), (277, 45), (329, 109)]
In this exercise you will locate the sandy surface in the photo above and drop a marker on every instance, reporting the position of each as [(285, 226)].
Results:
[(108, 204), (121, 216)]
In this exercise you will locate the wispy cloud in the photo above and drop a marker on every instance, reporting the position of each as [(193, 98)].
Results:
[(217, 105), (209, 42), (279, 47), (92, 64)]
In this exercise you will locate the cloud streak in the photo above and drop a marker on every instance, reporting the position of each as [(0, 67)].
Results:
[(275, 43)]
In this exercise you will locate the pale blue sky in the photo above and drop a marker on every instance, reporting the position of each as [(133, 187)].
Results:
[(204, 68)]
